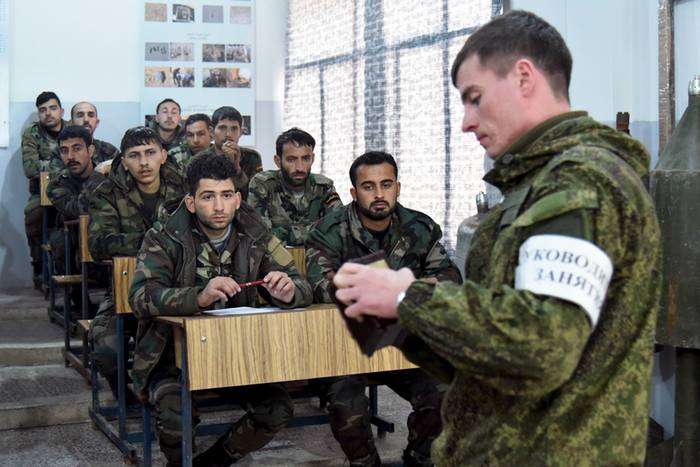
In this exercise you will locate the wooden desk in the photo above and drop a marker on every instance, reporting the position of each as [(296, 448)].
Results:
[(43, 189), (299, 255), (123, 269), (224, 351)]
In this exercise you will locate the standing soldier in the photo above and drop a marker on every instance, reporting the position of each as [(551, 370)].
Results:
[(198, 131), (189, 265), (548, 345), (374, 222), (39, 147), (291, 199), (227, 122), (140, 190)]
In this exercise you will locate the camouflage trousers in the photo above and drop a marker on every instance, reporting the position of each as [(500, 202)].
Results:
[(103, 329), (268, 409), (33, 217), (348, 409)]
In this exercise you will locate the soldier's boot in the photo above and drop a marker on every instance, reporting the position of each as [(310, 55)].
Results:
[(415, 459), (216, 456)]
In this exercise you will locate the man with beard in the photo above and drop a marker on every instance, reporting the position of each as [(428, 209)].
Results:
[(291, 199), (198, 130), (85, 114), (39, 147), (167, 124), (141, 189), (195, 261), (373, 222), (228, 122)]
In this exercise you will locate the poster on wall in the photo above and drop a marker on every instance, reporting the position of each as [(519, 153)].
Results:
[(202, 54)]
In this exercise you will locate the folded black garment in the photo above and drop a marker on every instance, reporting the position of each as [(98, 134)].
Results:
[(372, 333)]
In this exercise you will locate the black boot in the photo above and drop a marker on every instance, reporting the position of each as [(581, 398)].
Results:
[(216, 456), (416, 459)]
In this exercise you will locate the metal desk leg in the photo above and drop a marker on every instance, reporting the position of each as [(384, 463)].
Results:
[(146, 435), (121, 377), (186, 403)]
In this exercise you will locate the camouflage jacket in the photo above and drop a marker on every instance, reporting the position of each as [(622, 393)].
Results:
[(413, 241), (69, 194), (251, 163), (104, 151), (117, 221), (177, 261), (38, 151), (289, 217), (178, 140), (533, 380)]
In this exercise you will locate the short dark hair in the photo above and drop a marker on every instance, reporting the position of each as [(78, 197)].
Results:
[(194, 118), (45, 97), (294, 135), (372, 158), (75, 131), (515, 35), (139, 136), (226, 112), (165, 101), (211, 166)]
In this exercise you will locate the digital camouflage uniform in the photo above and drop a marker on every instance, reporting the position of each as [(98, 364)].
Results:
[(251, 163), (175, 264), (38, 149), (532, 382), (412, 241), (289, 216), (117, 226)]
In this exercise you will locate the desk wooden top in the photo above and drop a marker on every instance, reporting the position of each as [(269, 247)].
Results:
[(43, 189), (225, 351)]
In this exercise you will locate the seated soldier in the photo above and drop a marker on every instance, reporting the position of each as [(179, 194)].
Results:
[(291, 199), (85, 114), (68, 191), (195, 261), (166, 124), (141, 188), (375, 221), (39, 147), (198, 131), (227, 123)]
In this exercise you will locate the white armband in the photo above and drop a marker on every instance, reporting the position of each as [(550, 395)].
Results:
[(567, 268)]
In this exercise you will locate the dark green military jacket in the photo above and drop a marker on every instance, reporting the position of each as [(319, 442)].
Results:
[(533, 380), (290, 216), (180, 136), (177, 261), (117, 218), (104, 151), (182, 154), (250, 163), (70, 194), (38, 151), (413, 241)]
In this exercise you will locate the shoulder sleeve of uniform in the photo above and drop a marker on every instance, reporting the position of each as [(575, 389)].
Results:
[(264, 176), (322, 180), (330, 221)]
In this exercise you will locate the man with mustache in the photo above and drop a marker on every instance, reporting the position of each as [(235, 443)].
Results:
[(39, 147), (198, 132), (141, 189), (291, 199), (166, 124), (85, 114), (228, 123), (373, 222)]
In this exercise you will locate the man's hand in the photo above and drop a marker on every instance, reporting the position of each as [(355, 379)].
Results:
[(371, 291), (280, 286), (233, 152), (104, 167), (217, 288)]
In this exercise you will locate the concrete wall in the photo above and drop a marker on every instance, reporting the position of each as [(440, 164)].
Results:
[(90, 50)]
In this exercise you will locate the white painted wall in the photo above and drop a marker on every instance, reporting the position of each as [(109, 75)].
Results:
[(687, 49), (91, 50)]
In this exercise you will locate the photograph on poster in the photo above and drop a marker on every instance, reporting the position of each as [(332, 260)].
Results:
[(156, 12), (183, 13), (226, 78), (213, 53), (246, 125), (214, 77), (238, 53), (213, 13), (182, 51), (166, 77), (157, 51), (241, 15)]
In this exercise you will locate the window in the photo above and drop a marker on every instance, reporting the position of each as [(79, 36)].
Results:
[(375, 75)]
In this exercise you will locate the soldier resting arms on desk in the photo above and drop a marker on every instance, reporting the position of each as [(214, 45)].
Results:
[(212, 243)]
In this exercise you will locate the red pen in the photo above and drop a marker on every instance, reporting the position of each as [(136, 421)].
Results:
[(246, 284)]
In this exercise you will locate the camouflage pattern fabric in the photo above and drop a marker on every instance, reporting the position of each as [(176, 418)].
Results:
[(179, 139), (413, 241), (251, 164), (290, 217), (104, 151), (531, 381), (175, 263)]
